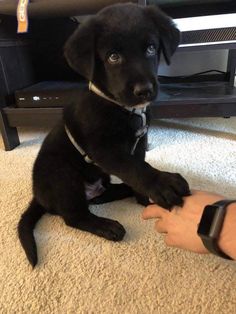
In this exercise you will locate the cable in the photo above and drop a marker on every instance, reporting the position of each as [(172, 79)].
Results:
[(192, 75)]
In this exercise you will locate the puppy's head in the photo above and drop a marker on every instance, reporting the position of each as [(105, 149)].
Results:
[(119, 48)]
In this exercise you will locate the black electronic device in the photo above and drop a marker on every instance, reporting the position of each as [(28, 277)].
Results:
[(211, 224), (47, 94)]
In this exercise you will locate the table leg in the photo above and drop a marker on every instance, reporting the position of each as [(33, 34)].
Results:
[(9, 134)]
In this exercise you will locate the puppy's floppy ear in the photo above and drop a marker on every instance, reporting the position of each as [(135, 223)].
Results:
[(169, 34), (79, 49)]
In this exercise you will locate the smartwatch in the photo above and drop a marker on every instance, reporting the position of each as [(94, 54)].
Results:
[(211, 224)]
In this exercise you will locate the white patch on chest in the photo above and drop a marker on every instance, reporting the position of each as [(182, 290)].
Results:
[(93, 190)]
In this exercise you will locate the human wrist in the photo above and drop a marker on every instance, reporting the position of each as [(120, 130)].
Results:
[(226, 240)]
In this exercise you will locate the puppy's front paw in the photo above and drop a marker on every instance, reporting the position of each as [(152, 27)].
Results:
[(142, 199), (169, 190)]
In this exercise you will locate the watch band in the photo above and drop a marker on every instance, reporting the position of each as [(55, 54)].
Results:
[(211, 244)]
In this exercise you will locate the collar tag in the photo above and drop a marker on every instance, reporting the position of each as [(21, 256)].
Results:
[(142, 131)]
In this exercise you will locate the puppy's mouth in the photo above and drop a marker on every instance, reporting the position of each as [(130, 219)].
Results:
[(135, 103), (141, 106), (128, 98)]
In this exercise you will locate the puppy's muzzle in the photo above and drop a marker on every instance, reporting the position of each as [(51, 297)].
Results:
[(144, 91)]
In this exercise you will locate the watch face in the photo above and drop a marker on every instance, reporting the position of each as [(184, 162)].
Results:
[(205, 224)]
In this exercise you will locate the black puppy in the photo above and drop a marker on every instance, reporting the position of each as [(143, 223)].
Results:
[(104, 131)]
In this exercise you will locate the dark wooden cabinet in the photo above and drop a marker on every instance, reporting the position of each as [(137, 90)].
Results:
[(205, 96)]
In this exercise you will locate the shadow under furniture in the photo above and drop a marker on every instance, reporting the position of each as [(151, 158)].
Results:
[(47, 85)]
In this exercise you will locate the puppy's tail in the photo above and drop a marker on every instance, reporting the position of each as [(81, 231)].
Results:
[(26, 230)]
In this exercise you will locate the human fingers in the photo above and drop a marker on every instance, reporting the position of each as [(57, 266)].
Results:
[(153, 211), (160, 226)]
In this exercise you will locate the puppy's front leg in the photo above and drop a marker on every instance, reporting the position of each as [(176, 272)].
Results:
[(164, 188)]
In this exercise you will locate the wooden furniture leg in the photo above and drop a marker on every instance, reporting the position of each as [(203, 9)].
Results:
[(9, 134)]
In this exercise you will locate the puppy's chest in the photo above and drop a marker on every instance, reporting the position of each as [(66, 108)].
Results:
[(139, 126), (137, 123)]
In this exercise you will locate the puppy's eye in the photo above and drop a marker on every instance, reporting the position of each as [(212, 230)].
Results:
[(114, 58), (151, 51)]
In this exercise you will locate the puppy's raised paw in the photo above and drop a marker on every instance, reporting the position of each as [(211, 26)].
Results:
[(169, 190)]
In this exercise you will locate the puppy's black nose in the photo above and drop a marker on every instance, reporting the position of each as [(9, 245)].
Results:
[(143, 91)]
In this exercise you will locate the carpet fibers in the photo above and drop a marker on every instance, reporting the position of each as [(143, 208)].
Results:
[(81, 273)]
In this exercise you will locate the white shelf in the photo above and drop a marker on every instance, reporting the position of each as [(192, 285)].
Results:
[(206, 22)]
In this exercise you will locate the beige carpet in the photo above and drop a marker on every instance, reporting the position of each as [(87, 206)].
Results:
[(81, 273)]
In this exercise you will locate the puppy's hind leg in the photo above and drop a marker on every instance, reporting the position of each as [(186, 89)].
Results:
[(102, 227), (78, 216), (114, 192)]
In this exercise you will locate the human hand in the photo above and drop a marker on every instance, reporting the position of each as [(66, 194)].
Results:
[(180, 225)]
